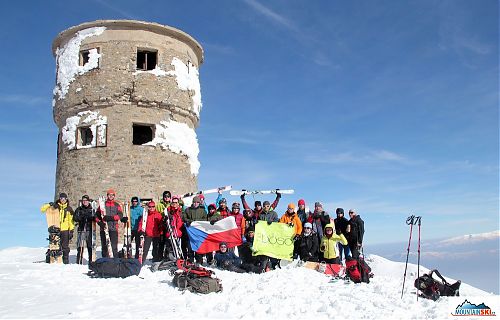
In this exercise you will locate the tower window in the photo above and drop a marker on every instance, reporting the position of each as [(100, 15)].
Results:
[(142, 134), (85, 56), (86, 136), (146, 59)]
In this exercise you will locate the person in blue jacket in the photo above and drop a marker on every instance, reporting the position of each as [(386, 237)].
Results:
[(136, 211)]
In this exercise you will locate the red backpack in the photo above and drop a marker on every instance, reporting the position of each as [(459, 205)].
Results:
[(351, 266)]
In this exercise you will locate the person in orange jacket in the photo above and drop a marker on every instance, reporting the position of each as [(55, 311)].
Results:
[(292, 219)]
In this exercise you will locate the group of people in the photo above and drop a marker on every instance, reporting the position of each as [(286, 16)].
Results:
[(317, 237)]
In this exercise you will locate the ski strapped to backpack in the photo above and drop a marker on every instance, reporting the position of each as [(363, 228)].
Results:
[(240, 192), (431, 288), (194, 278)]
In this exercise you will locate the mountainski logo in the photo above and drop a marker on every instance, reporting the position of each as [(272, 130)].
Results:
[(469, 309)]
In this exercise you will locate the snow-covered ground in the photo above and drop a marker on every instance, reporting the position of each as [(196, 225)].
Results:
[(40, 290)]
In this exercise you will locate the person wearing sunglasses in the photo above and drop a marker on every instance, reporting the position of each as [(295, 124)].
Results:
[(154, 228), (160, 207), (174, 216)]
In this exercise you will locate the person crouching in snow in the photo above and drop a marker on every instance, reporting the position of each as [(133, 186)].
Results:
[(309, 244), (329, 244), (154, 228), (227, 260)]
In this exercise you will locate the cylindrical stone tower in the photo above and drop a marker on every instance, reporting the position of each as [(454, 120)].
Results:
[(127, 101)]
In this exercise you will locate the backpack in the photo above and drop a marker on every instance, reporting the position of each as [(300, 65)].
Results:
[(431, 288), (358, 270), (114, 268), (194, 278)]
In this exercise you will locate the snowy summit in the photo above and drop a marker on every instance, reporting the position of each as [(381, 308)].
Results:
[(39, 290)]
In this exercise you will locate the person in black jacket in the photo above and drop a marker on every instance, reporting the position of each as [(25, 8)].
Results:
[(355, 231), (84, 215), (341, 224), (309, 244)]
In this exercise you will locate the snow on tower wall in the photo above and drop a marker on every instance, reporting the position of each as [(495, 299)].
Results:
[(120, 82)]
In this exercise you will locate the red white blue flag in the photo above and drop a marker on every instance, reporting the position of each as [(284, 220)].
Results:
[(205, 237)]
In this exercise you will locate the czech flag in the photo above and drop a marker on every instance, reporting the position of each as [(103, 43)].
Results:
[(205, 237)]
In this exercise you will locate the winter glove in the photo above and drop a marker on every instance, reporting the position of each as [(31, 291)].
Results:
[(269, 223), (140, 233), (51, 204), (322, 248), (256, 221), (290, 224), (212, 222), (187, 223), (108, 218), (296, 237), (116, 217), (278, 195), (243, 239), (124, 219)]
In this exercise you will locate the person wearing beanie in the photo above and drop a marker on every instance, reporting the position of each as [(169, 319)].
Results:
[(161, 206), (227, 260), (355, 233), (309, 244), (301, 211), (154, 229), (258, 205), (84, 216), (194, 213), (110, 214), (291, 218), (136, 211), (341, 224), (238, 218), (173, 218), (268, 214), (319, 219), (66, 223)]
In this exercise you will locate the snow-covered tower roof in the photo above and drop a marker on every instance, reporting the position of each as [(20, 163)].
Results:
[(127, 101)]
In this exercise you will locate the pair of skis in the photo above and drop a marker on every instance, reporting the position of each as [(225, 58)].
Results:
[(174, 237), (241, 192), (143, 231), (127, 246), (102, 207)]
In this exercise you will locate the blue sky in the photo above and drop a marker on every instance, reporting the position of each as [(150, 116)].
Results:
[(389, 107)]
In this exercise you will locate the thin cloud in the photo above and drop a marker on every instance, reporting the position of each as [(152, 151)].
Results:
[(370, 157), (23, 99), (118, 10), (270, 14)]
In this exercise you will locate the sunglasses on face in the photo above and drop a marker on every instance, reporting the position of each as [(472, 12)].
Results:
[(151, 207)]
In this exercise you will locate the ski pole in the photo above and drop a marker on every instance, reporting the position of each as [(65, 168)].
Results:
[(409, 221), (418, 268)]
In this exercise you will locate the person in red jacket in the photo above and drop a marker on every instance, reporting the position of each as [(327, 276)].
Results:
[(154, 228), (238, 217), (174, 237), (112, 214)]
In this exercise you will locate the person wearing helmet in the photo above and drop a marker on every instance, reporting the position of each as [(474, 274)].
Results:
[(329, 244)]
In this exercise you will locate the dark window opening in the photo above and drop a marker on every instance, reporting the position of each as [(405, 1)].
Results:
[(85, 56), (86, 136), (146, 60), (142, 134)]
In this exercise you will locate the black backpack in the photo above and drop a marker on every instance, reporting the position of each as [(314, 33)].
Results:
[(431, 288), (114, 268)]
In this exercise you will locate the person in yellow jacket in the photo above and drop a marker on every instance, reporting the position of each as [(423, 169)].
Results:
[(329, 244), (66, 222)]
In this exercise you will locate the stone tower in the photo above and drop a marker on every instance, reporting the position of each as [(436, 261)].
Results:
[(127, 101)]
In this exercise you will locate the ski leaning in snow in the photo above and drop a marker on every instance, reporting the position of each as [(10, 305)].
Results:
[(143, 230), (226, 188), (240, 192), (94, 233), (173, 237), (102, 206), (127, 246)]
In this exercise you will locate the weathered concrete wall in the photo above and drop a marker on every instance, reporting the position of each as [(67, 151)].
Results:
[(116, 90)]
